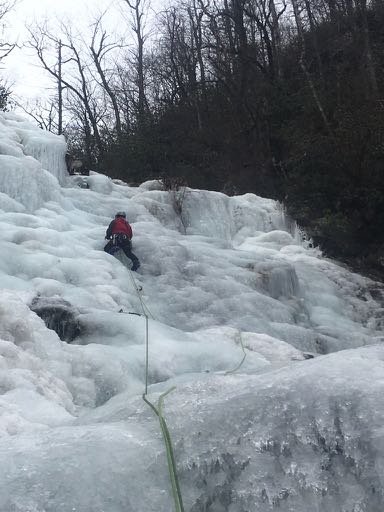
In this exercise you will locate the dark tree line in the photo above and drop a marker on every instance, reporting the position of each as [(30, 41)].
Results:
[(282, 98)]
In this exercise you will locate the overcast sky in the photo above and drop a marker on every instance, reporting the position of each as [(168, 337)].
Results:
[(21, 67)]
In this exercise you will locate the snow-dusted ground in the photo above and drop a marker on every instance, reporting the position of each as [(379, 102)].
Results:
[(230, 274)]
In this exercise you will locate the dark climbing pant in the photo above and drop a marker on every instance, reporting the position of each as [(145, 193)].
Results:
[(122, 242)]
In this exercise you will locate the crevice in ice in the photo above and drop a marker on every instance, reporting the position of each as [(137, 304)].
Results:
[(60, 316)]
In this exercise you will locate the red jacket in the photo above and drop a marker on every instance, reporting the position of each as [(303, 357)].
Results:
[(119, 225)]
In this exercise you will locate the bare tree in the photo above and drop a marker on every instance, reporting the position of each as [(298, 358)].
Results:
[(78, 82), (267, 20), (43, 111), (303, 65), (138, 10), (196, 15), (367, 57), (5, 47), (99, 48)]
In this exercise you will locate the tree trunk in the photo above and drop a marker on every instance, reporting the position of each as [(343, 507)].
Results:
[(301, 39), (368, 62), (97, 56)]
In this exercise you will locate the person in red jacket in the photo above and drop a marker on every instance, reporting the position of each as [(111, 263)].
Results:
[(119, 234)]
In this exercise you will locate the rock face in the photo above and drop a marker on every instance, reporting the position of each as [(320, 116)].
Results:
[(347, 240), (361, 257), (58, 315)]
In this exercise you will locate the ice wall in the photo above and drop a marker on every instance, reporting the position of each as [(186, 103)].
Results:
[(49, 150), (46, 147), (32, 164), (306, 437), (216, 215), (290, 429)]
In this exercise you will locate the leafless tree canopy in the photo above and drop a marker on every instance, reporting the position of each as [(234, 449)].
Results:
[(5, 46), (284, 98)]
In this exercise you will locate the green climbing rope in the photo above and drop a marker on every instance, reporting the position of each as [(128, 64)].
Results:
[(159, 411), (144, 307), (244, 356), (177, 496)]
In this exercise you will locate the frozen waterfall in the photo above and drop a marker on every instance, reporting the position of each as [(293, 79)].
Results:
[(298, 426)]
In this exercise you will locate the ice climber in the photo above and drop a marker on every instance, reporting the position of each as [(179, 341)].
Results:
[(119, 234)]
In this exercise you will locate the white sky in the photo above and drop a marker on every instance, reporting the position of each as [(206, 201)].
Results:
[(21, 68)]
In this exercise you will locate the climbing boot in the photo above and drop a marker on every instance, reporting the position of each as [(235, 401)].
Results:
[(135, 266)]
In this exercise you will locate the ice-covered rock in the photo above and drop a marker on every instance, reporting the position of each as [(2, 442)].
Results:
[(31, 161), (58, 315), (305, 437), (21, 137)]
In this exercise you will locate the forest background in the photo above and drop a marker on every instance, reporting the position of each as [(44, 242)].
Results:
[(280, 98)]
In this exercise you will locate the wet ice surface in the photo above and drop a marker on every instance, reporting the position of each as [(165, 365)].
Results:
[(230, 274)]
